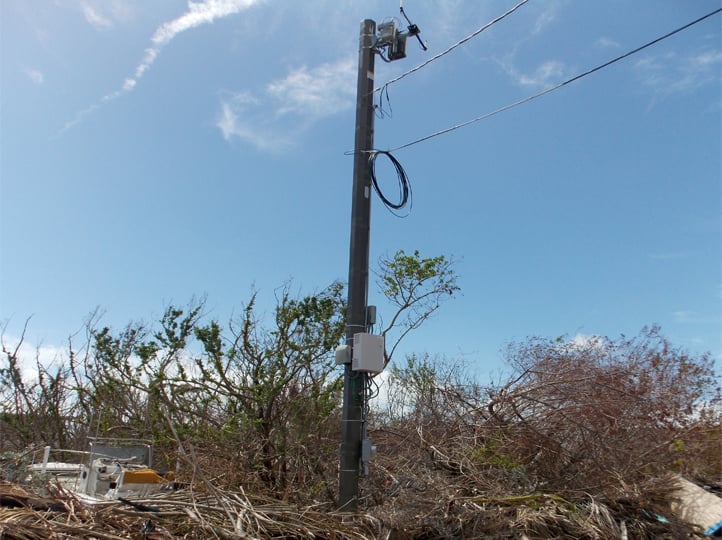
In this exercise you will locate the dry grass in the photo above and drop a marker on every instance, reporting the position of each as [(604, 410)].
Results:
[(415, 500), (187, 514), (231, 516)]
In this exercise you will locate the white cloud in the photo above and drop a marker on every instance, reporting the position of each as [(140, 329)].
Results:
[(322, 91), (585, 342), (672, 73), (384, 398), (35, 75), (198, 13), (297, 101), (240, 117), (545, 18), (547, 74), (95, 18), (550, 72), (686, 316), (104, 14), (29, 356), (607, 43), (79, 116)]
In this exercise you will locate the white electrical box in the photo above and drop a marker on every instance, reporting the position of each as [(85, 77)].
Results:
[(368, 353), (343, 355)]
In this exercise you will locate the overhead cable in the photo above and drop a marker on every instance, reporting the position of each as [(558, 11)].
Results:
[(454, 46), (558, 86)]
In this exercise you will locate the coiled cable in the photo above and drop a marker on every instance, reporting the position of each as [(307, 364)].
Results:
[(405, 195)]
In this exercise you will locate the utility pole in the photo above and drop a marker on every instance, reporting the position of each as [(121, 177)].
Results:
[(354, 382)]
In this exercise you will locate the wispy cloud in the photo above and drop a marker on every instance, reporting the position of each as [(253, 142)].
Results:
[(199, 13), (295, 102), (545, 75), (96, 18), (104, 14), (318, 92), (545, 18), (550, 72), (607, 43), (673, 73), (35, 75), (240, 117), (686, 316)]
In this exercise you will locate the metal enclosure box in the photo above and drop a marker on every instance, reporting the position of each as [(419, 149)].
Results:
[(343, 355), (368, 353)]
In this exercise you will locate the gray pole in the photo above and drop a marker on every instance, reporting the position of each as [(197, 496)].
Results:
[(354, 382)]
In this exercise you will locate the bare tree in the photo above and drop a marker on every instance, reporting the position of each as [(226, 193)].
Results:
[(598, 415)]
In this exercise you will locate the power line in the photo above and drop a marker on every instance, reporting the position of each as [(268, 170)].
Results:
[(558, 86), (454, 46)]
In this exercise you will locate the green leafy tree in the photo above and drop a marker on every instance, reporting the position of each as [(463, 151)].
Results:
[(415, 287), (278, 384), (37, 410)]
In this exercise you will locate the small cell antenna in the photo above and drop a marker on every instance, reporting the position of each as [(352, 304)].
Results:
[(412, 28)]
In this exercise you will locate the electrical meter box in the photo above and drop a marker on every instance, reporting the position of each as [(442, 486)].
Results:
[(368, 353), (387, 32)]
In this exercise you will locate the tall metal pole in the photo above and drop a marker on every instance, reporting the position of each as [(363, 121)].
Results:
[(358, 272)]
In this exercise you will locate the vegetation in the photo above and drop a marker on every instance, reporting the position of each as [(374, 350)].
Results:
[(256, 399), (593, 431), (582, 436)]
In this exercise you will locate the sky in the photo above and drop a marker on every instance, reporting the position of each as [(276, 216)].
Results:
[(156, 152)]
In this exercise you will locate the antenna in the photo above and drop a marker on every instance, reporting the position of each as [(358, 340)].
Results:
[(412, 28), (391, 41)]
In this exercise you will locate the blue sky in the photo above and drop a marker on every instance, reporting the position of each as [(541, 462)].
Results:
[(155, 151)]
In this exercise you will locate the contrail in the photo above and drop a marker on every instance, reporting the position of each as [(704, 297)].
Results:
[(198, 13)]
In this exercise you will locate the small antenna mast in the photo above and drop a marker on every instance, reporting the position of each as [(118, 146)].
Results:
[(412, 28)]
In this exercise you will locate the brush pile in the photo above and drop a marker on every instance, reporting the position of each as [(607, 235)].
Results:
[(423, 495), (586, 440), (186, 514), (232, 515)]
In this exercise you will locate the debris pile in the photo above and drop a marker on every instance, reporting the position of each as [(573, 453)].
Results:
[(403, 501), (185, 514)]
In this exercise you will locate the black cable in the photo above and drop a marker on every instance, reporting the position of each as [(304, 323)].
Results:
[(372, 387), (556, 87), (381, 55), (379, 109), (455, 45), (405, 195), (413, 29)]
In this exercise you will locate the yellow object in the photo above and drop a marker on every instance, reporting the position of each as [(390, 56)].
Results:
[(142, 476)]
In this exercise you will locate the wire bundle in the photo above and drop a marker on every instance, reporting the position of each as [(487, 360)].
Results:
[(405, 195)]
